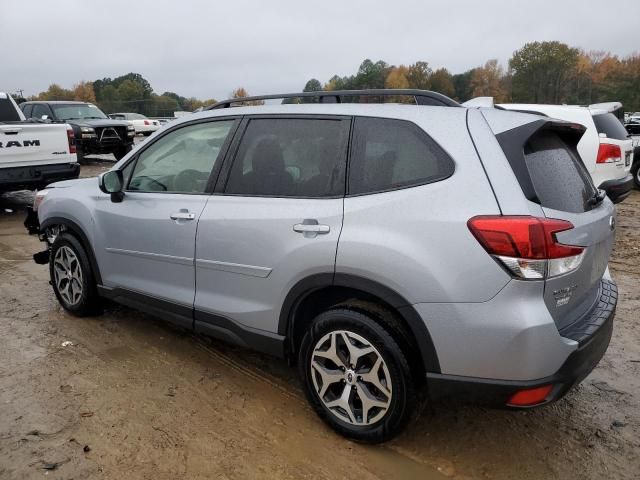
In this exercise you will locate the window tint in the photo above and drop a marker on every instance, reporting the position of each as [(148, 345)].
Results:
[(291, 158), (181, 161), (390, 154), (39, 110), (609, 124), (558, 175), (27, 110)]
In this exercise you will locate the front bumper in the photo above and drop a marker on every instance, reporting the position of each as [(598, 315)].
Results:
[(592, 333), (88, 146), (619, 188), (16, 178)]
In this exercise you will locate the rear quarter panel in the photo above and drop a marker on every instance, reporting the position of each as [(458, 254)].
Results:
[(416, 240)]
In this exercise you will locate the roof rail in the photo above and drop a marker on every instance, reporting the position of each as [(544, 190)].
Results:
[(421, 97)]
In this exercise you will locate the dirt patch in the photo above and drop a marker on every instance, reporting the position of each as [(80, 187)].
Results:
[(125, 396)]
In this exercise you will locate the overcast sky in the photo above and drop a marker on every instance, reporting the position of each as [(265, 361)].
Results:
[(207, 48)]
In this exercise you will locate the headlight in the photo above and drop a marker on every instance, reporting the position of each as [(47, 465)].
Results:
[(39, 198), (87, 130), (131, 131)]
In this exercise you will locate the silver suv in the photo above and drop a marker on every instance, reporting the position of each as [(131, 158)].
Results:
[(388, 249)]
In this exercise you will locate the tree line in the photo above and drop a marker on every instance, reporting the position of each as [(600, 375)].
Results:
[(539, 72)]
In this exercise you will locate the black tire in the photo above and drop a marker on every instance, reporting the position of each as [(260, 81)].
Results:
[(88, 302), (635, 171), (403, 400), (80, 155), (146, 134), (121, 152)]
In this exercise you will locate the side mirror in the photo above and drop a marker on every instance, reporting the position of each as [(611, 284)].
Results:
[(112, 182)]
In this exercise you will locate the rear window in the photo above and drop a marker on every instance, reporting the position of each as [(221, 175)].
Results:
[(390, 154), (8, 111), (559, 178), (609, 124)]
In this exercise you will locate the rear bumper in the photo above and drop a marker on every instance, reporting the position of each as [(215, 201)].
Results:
[(592, 333), (31, 177), (619, 188)]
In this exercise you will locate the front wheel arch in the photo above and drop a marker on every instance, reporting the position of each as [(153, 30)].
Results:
[(74, 229)]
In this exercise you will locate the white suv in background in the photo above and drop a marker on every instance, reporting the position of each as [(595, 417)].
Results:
[(606, 148)]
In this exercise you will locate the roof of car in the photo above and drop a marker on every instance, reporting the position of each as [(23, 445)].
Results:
[(385, 110), (65, 102)]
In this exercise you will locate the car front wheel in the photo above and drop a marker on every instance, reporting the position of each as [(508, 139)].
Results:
[(71, 276), (356, 375)]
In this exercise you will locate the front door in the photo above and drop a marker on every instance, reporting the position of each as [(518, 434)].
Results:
[(147, 241), (277, 221)]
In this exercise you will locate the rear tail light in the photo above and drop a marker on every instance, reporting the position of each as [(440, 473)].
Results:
[(608, 153), (72, 141), (527, 246), (146, 122)]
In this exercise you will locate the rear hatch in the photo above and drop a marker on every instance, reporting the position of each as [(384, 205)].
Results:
[(544, 157)]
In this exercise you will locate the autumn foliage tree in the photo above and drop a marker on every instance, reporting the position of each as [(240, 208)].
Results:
[(488, 81)]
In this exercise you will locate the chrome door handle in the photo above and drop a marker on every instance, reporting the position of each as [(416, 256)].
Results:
[(311, 228), (182, 216)]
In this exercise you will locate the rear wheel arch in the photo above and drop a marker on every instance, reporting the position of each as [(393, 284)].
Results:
[(317, 293), (77, 231)]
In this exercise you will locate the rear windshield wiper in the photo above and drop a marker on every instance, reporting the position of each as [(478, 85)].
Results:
[(597, 197)]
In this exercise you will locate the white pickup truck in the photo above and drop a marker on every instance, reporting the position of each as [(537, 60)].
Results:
[(33, 154)]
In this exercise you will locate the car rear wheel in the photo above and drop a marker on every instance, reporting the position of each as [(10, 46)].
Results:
[(71, 276), (356, 376)]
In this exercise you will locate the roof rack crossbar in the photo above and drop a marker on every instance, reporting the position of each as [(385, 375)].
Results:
[(421, 97)]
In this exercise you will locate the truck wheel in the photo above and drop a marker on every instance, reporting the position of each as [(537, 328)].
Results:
[(80, 155), (635, 171), (356, 376), (72, 278), (121, 152)]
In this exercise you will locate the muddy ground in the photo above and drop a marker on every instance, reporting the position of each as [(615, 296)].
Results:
[(131, 397)]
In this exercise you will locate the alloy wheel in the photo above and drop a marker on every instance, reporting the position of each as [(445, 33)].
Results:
[(351, 378), (68, 275)]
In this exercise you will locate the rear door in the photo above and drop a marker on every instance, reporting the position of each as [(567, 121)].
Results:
[(276, 221)]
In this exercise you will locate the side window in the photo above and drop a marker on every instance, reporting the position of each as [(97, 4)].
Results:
[(181, 161), (291, 157), (390, 154), (39, 110), (27, 110)]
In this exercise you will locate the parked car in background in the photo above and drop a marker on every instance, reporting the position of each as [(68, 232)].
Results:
[(32, 154), (142, 124), (632, 124), (95, 133), (332, 234), (605, 147)]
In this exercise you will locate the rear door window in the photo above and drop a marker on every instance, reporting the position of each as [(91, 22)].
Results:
[(389, 154), (560, 180), (291, 157), (609, 124)]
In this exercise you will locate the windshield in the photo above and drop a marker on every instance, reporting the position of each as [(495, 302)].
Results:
[(78, 111)]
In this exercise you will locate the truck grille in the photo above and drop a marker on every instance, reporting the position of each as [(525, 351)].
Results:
[(111, 135)]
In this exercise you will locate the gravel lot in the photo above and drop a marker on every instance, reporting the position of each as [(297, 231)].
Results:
[(131, 397)]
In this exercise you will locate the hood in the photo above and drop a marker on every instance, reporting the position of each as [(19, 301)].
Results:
[(78, 182), (98, 122)]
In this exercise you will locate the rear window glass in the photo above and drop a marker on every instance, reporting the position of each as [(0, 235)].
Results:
[(391, 154), (8, 111), (558, 175), (609, 124)]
